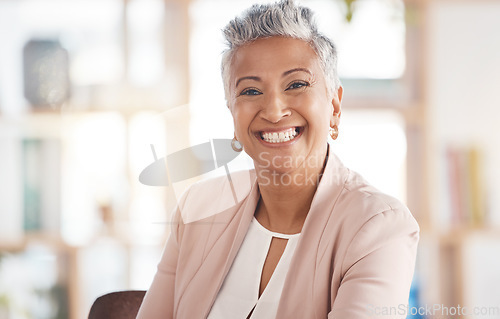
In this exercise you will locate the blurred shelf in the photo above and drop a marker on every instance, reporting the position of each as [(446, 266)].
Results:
[(30, 238), (459, 234)]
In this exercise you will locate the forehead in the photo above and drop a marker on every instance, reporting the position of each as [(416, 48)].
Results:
[(275, 55)]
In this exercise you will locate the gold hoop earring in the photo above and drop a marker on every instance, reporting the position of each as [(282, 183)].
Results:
[(236, 145), (334, 132)]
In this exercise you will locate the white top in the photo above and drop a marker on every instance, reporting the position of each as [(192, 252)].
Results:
[(240, 291)]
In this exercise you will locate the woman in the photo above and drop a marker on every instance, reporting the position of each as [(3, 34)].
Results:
[(309, 238)]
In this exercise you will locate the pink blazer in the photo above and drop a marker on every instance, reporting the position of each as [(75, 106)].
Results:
[(355, 257)]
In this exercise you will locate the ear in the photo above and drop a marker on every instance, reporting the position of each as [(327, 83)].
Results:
[(337, 109), (340, 93)]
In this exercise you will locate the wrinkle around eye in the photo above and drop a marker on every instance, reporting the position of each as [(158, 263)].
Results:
[(297, 85), (250, 92)]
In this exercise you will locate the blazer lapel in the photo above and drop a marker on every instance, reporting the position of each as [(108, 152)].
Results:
[(300, 280), (223, 240)]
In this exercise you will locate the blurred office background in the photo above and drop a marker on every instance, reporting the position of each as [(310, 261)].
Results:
[(94, 91)]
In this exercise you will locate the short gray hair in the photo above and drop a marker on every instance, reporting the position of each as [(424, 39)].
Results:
[(284, 19)]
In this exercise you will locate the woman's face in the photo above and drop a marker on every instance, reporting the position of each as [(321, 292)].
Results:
[(280, 104)]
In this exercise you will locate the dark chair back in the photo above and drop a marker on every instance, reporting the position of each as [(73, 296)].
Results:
[(117, 305)]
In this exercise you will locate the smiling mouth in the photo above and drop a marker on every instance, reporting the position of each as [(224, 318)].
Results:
[(280, 136)]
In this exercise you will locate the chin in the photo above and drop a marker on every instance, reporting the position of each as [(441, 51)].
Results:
[(278, 163)]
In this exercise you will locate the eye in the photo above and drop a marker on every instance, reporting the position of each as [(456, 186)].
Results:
[(297, 85), (250, 91)]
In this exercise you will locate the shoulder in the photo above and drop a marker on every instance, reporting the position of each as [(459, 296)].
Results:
[(353, 200), (368, 216), (214, 195), (360, 202), (373, 219)]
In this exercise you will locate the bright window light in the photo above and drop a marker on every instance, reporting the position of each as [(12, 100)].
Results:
[(145, 25), (93, 172), (373, 143), (95, 48), (372, 44)]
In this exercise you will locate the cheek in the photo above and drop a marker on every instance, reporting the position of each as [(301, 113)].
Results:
[(240, 119), (318, 110), (319, 115)]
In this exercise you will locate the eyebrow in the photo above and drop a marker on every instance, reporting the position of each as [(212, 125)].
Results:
[(297, 70), (258, 79), (255, 78)]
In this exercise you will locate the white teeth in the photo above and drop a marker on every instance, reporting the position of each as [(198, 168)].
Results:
[(280, 137)]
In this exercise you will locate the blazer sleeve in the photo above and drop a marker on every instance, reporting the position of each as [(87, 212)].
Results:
[(378, 268), (159, 299)]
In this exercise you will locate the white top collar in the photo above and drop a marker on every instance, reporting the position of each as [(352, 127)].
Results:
[(240, 291)]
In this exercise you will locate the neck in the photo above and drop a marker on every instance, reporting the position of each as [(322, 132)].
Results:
[(286, 196)]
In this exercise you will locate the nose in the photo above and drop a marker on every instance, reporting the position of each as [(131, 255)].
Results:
[(274, 108)]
